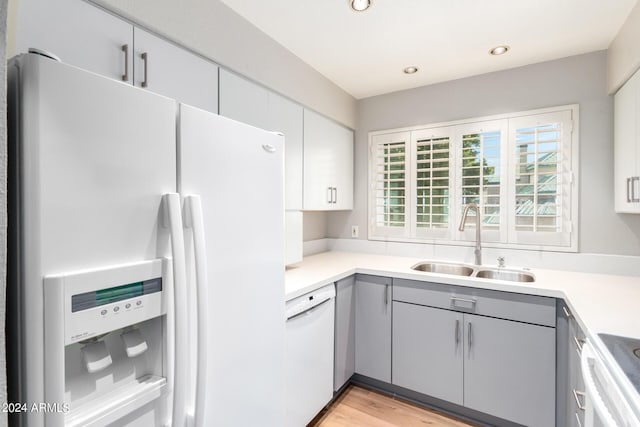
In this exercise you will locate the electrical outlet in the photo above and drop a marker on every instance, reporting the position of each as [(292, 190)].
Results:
[(354, 231)]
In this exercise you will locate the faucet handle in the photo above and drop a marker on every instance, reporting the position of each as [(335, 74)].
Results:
[(500, 261)]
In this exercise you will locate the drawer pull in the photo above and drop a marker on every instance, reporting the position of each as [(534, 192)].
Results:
[(577, 395), (466, 303), (578, 422), (567, 313), (457, 331)]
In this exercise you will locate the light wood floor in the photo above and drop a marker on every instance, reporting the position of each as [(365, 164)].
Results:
[(360, 407)]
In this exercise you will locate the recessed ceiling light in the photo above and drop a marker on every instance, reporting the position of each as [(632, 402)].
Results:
[(360, 5), (410, 70), (499, 50)]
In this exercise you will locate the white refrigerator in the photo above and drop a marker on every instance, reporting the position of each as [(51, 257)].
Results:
[(146, 257)]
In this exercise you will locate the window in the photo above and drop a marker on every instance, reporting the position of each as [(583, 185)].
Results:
[(518, 169)]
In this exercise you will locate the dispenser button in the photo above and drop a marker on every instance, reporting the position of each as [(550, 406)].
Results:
[(116, 308), (127, 306), (138, 302), (103, 312)]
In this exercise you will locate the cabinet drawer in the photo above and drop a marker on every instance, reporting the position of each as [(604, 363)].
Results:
[(505, 305)]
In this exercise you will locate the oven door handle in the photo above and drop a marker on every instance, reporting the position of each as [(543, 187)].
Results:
[(595, 406)]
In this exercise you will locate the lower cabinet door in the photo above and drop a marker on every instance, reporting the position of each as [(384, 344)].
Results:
[(344, 361), (509, 370), (373, 327), (427, 350)]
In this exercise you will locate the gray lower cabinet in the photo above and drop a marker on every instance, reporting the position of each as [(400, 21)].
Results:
[(345, 330), (450, 342), (427, 350), (373, 327), (509, 370)]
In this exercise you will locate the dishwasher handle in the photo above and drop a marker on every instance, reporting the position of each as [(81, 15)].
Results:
[(311, 308)]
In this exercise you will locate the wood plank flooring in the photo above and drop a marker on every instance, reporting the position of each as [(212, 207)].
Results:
[(360, 407)]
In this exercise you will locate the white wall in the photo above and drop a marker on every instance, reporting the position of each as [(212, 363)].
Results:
[(579, 79), (623, 56), (213, 30)]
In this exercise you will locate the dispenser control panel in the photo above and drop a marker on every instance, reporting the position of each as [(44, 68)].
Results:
[(102, 300)]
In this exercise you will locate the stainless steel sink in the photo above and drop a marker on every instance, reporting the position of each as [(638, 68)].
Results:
[(443, 268), (508, 275)]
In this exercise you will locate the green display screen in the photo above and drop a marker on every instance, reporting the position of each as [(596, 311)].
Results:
[(105, 296)]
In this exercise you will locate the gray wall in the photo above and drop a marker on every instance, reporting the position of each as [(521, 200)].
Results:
[(217, 32), (580, 79), (3, 204)]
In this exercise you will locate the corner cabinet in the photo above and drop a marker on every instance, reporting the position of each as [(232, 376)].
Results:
[(344, 341), (328, 164), (627, 146)]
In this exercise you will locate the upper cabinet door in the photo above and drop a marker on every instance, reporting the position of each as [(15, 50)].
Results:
[(243, 100), (248, 102), (169, 70), (79, 33), (328, 164), (285, 116), (626, 134)]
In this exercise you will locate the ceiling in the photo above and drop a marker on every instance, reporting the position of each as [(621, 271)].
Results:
[(364, 53)]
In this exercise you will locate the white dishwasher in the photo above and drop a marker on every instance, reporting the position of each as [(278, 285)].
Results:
[(309, 354)]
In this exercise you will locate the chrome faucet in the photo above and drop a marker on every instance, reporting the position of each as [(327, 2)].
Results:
[(478, 250)]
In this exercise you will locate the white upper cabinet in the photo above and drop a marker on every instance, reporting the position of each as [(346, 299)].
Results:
[(86, 36), (627, 146), (247, 102), (285, 116), (169, 70), (243, 100), (78, 33), (328, 164)]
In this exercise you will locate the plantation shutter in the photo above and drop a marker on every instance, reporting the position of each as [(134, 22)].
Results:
[(389, 213), (432, 178), (482, 179), (541, 179)]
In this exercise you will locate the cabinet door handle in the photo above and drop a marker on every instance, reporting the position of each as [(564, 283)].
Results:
[(579, 343), (634, 179), (329, 195), (469, 339), (125, 76), (457, 331), (628, 194), (145, 59), (579, 423), (335, 195), (386, 294), (577, 395), (567, 313)]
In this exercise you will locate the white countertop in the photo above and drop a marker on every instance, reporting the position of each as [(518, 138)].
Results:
[(602, 303)]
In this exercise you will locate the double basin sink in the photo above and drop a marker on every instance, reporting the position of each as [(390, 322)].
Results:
[(479, 271)]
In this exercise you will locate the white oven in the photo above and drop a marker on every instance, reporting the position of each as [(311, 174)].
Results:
[(606, 404)]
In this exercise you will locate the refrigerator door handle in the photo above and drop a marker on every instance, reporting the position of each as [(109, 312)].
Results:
[(173, 214), (195, 221)]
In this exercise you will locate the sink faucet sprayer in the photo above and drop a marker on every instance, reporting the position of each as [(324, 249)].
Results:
[(478, 250)]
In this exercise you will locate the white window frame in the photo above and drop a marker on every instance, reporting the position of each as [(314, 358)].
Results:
[(507, 237)]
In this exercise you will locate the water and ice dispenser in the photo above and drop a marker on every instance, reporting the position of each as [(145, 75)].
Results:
[(106, 342)]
